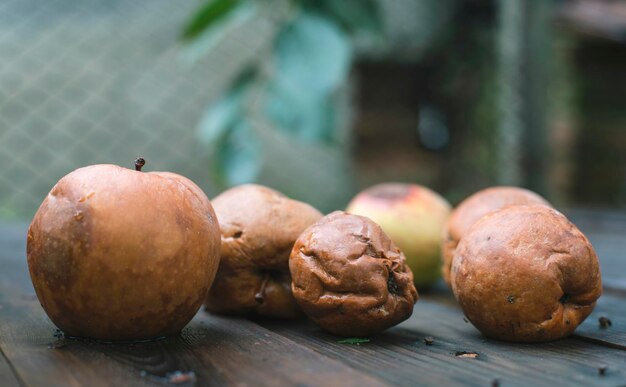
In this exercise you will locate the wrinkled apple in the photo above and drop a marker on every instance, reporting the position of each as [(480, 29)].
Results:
[(259, 227)]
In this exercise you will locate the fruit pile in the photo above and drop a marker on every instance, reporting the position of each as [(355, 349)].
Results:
[(122, 255)]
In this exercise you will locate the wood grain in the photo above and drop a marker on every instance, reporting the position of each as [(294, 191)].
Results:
[(7, 377), (217, 350), (400, 356), (607, 232), (613, 307)]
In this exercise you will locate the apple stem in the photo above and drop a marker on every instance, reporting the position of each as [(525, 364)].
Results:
[(139, 163), (260, 296)]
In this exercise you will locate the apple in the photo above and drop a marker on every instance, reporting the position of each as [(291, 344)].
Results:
[(349, 277), (525, 273), (259, 227), (475, 207), (116, 254), (413, 216)]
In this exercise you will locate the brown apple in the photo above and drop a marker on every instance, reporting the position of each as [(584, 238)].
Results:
[(349, 277), (117, 254), (259, 227), (473, 208), (413, 216), (525, 274)]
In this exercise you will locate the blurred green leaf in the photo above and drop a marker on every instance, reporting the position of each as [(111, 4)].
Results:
[(207, 15), (313, 55), (209, 38), (307, 116), (236, 150), (8, 212), (312, 60), (224, 113), (219, 118), (355, 16), (238, 158)]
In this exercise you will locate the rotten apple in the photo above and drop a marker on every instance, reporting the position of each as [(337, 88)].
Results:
[(121, 254), (259, 227), (526, 274), (349, 277)]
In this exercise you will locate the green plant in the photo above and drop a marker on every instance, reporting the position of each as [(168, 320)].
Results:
[(293, 85)]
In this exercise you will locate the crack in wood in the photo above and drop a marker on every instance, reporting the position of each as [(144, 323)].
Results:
[(600, 342)]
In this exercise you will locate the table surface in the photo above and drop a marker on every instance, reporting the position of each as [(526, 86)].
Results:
[(215, 350)]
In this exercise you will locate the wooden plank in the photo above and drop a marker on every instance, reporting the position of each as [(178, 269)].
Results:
[(611, 250), (612, 306), (7, 376), (617, 285), (606, 230), (259, 356), (11, 239), (217, 350), (400, 356), (598, 221)]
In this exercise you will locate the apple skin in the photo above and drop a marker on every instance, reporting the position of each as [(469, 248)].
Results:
[(122, 255), (259, 226), (413, 216), (475, 207)]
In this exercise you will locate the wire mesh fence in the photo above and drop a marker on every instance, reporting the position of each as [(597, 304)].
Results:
[(99, 82)]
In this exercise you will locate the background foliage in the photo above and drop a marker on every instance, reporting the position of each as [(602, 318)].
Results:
[(295, 85)]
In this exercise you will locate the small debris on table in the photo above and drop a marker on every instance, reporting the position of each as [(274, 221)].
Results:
[(602, 370), (428, 340), (60, 343), (180, 377), (353, 341), (464, 319), (495, 383), (605, 322), (467, 354), (176, 377)]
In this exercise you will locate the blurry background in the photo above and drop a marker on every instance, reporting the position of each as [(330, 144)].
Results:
[(317, 98)]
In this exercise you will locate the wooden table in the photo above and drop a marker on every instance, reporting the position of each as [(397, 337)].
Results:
[(215, 350)]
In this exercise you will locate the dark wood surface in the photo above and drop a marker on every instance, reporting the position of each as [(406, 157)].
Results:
[(216, 350)]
